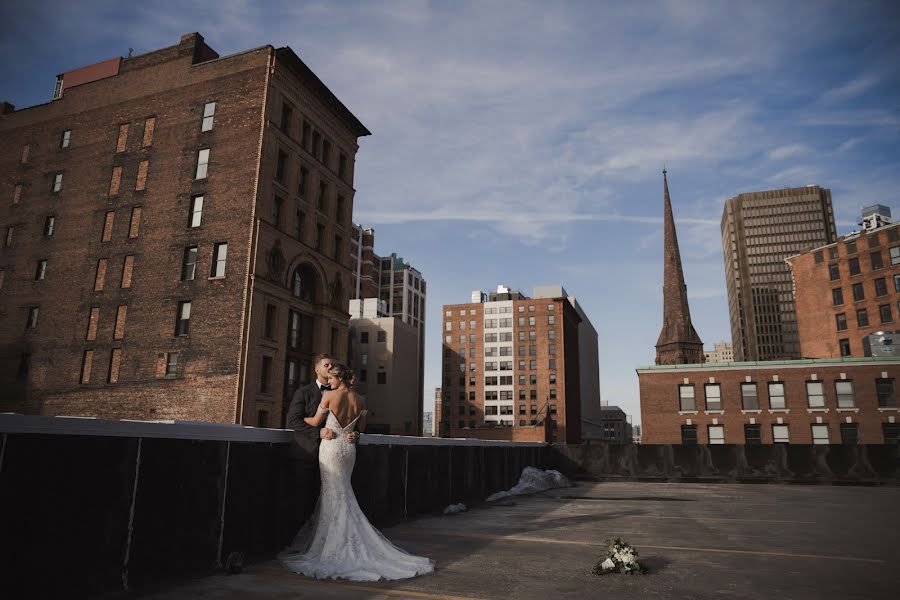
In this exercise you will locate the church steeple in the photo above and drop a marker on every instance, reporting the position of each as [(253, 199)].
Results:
[(678, 342)]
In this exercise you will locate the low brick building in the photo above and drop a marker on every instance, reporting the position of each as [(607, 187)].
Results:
[(850, 400), (846, 291), (176, 237)]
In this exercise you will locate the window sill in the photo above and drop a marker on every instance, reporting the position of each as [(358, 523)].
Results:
[(755, 411), (817, 410), (854, 410), (888, 409), (219, 277), (687, 412), (713, 412), (786, 411)]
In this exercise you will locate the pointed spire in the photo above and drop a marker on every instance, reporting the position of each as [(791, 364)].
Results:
[(678, 342)]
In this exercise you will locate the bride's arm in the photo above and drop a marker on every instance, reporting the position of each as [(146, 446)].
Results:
[(361, 424), (321, 413)]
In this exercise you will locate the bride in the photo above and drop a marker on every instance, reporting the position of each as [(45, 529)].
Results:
[(338, 541)]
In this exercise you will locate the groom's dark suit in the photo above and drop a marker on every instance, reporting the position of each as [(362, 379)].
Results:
[(304, 404)]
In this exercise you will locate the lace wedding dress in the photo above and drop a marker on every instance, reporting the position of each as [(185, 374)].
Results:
[(338, 542)]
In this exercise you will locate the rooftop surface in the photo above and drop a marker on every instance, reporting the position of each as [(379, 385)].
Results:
[(700, 541)]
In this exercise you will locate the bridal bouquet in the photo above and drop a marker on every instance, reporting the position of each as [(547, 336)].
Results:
[(620, 557)]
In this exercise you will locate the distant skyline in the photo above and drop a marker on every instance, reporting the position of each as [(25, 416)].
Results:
[(520, 143)]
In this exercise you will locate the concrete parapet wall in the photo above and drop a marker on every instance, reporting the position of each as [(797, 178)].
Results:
[(794, 463), (90, 506)]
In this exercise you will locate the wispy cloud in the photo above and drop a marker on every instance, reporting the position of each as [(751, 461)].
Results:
[(852, 88), (788, 151)]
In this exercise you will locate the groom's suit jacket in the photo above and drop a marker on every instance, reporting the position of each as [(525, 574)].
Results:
[(304, 404)]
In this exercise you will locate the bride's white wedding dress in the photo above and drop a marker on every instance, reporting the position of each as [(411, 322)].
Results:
[(338, 542)]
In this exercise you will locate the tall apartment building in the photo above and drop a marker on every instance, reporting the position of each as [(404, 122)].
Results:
[(721, 352), (401, 290), (512, 361), (759, 231), (848, 294), (176, 231)]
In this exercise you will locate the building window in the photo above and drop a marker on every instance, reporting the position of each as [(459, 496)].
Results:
[(220, 255), (100, 275), (884, 312), (66, 137), (265, 373), (818, 257), (342, 165), (820, 434), (841, 321), (844, 344), (134, 225), (381, 337), (271, 316), (202, 163), (862, 317), (149, 126), (277, 206), (9, 236), (195, 216), (338, 248), (287, 113), (859, 293), (891, 432), (32, 321), (49, 225), (853, 264), (851, 247), (844, 391), (833, 253), (106, 235), (183, 318), (849, 434), (57, 182), (776, 395), (897, 283), (877, 260), (115, 361), (87, 360), (381, 378), (815, 394), (122, 140), (24, 365), (689, 435), (752, 435), (834, 272), (320, 236), (281, 166), (884, 389), (881, 287), (837, 296), (209, 113), (716, 434), (302, 183), (17, 193), (189, 264), (171, 364), (895, 255), (713, 395), (686, 398), (41, 271), (749, 399), (780, 434), (339, 211), (127, 270)]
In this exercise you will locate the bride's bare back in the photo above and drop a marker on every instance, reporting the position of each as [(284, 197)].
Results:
[(346, 404)]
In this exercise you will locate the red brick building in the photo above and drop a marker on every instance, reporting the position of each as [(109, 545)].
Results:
[(849, 400), (511, 362), (176, 230), (846, 291)]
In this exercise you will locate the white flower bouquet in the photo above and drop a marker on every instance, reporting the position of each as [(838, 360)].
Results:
[(620, 557)]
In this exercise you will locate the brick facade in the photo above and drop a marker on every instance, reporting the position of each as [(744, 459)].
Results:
[(846, 291), (663, 413), (127, 238)]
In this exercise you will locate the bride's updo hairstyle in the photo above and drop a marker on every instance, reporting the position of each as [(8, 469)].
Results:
[(343, 374)]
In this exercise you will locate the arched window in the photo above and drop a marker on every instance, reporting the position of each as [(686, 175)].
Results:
[(305, 283)]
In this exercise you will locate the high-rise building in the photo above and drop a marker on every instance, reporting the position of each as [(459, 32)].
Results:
[(510, 361), (401, 291), (678, 342), (176, 237), (722, 352), (848, 293), (759, 231)]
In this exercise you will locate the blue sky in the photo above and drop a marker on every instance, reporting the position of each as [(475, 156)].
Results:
[(522, 142)]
